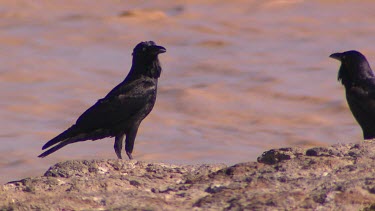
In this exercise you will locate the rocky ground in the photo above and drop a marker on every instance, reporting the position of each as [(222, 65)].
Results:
[(340, 177)]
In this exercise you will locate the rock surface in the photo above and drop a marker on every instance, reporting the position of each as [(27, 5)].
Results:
[(340, 177)]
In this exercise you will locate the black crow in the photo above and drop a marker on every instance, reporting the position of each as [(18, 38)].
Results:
[(359, 81), (122, 110)]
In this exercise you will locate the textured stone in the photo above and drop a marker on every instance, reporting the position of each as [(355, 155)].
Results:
[(340, 177)]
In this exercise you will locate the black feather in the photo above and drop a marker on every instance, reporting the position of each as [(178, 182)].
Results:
[(358, 79), (121, 111)]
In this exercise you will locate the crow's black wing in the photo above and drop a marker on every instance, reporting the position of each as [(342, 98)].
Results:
[(118, 106), (361, 100), (121, 104)]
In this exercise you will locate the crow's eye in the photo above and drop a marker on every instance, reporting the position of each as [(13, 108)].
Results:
[(144, 49)]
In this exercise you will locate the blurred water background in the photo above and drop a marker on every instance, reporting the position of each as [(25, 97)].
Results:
[(239, 77)]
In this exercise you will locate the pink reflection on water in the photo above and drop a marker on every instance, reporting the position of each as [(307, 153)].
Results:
[(239, 77)]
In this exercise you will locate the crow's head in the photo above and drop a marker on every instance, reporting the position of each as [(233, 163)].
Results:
[(145, 59), (354, 67), (148, 50)]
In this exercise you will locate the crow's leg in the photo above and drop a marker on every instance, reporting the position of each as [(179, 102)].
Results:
[(129, 142), (118, 144)]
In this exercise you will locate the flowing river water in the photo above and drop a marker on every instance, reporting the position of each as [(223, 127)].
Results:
[(239, 77)]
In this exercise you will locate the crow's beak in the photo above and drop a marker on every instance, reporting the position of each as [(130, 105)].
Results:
[(158, 49), (337, 56)]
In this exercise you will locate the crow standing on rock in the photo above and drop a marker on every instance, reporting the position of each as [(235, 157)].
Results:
[(359, 81), (121, 111)]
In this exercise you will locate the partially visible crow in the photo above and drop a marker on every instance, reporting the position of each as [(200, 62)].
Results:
[(359, 81), (121, 111)]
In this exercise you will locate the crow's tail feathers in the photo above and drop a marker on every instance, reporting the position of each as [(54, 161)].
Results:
[(55, 148), (69, 133), (69, 136), (72, 135)]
